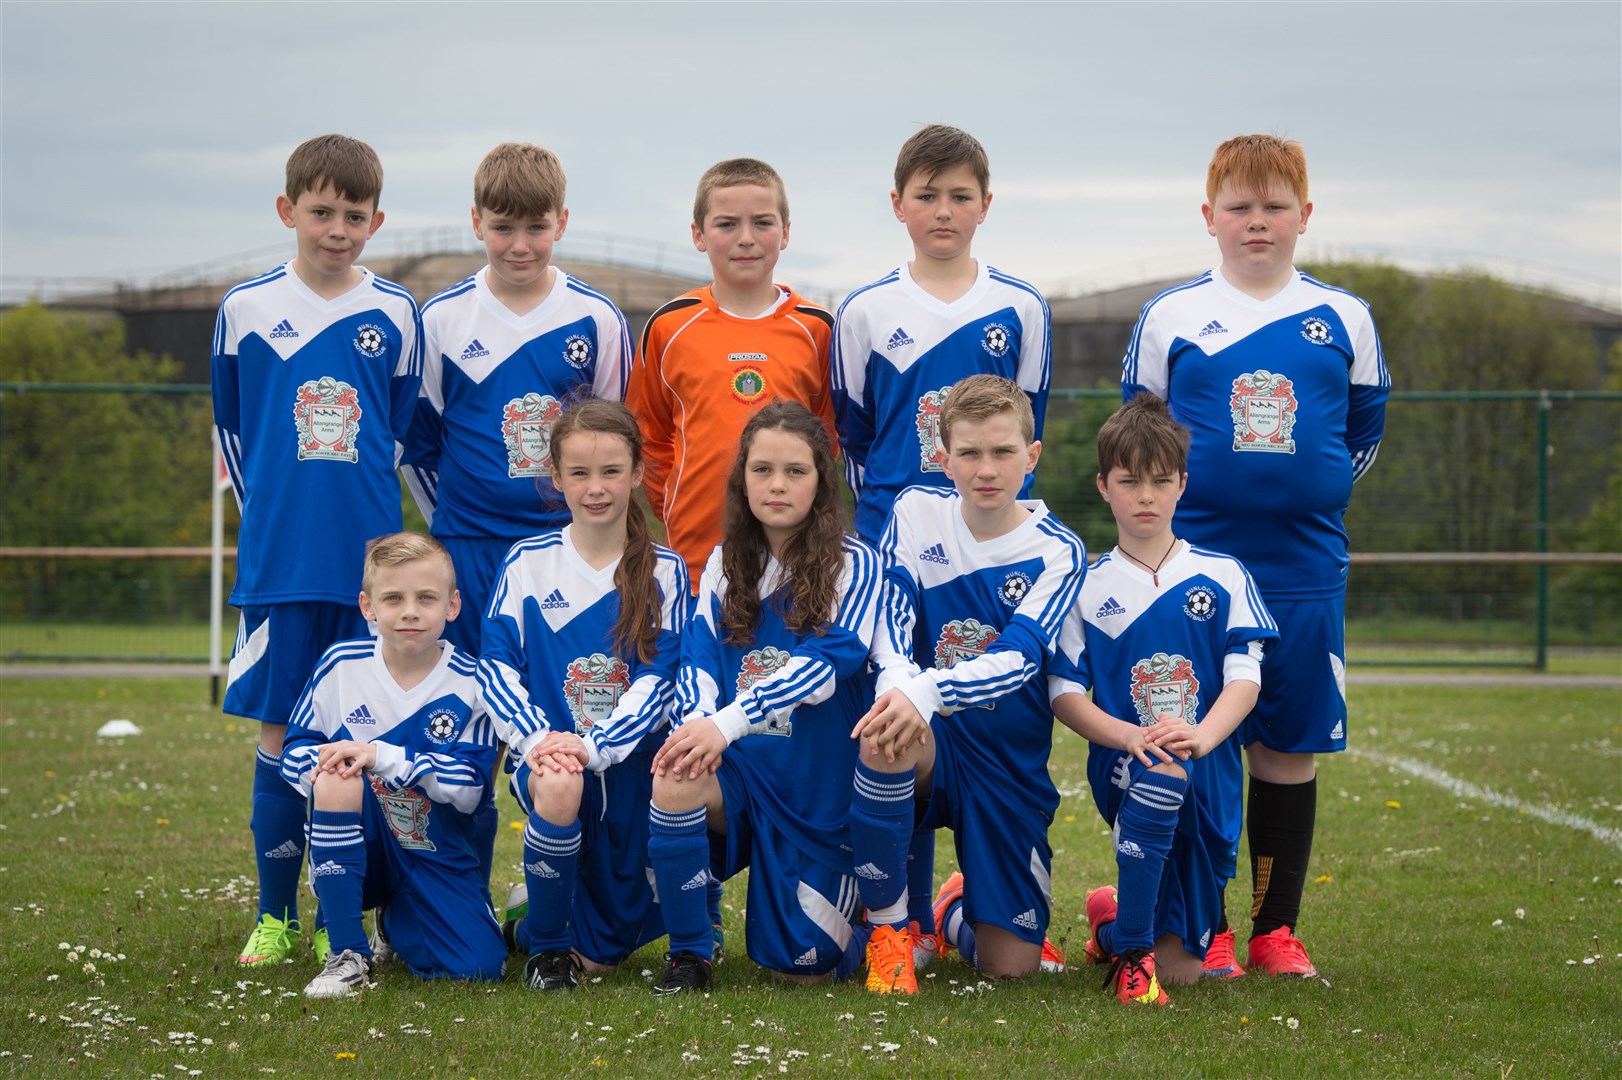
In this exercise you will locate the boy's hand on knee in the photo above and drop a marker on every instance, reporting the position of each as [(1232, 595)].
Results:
[(693, 748), (346, 759), (1141, 744), (892, 724), (560, 751), (1175, 735)]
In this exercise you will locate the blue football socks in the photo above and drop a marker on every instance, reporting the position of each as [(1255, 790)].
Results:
[(679, 849), (881, 811), (278, 838), (338, 875), (551, 868)]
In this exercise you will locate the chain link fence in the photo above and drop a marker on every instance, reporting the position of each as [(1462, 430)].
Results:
[(105, 512)]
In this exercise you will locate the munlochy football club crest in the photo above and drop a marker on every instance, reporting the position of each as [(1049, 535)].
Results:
[(931, 453), (592, 686), (526, 429), (1263, 411), (406, 811), (996, 340), (758, 664), (1165, 684), (326, 413), (578, 351)]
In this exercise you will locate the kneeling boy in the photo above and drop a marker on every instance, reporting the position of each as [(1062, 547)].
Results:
[(391, 741), (1170, 639), (976, 584)]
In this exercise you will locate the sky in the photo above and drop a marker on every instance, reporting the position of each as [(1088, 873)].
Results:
[(144, 139)]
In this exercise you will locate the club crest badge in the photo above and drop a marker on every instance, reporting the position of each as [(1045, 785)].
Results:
[(443, 725), (963, 639), (592, 686), (931, 453), (526, 429), (1263, 412), (1199, 603), (1014, 587), (748, 384), (996, 340), (406, 811), (1165, 685), (326, 413), (760, 664), (1317, 331), (578, 351), (370, 341)]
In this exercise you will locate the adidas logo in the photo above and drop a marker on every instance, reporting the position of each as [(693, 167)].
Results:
[(1026, 919), (699, 880), (935, 554), (287, 850), (871, 873), (1213, 327), (1130, 850), (362, 715), (474, 350), (283, 329), (1338, 731), (1110, 607), (807, 958), (897, 339), (540, 869), (554, 599), (327, 869)]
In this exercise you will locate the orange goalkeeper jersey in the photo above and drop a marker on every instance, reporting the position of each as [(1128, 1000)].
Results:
[(699, 375)]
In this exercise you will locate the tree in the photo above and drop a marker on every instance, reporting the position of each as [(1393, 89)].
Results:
[(1462, 475), (94, 469)]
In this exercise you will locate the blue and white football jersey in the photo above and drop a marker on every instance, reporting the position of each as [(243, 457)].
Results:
[(548, 660), (1148, 649), (898, 350), (435, 744), (1286, 401), (480, 453), (312, 399), (786, 701), (966, 629)]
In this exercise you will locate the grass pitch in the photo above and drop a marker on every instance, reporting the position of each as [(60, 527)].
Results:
[(1466, 916)]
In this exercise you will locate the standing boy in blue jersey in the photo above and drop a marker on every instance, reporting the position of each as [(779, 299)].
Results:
[(903, 341), (976, 584), (315, 369), (503, 352), (1281, 380), (1169, 638), (392, 744)]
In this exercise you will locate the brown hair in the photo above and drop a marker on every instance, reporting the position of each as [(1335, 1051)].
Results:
[(1255, 163), (1142, 438), (519, 180), (980, 397), (397, 549), (636, 629), (939, 147), (736, 172), (813, 559), (349, 165)]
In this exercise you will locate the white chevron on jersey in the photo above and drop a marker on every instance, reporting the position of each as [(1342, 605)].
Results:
[(548, 660), (896, 351), (309, 421), (493, 384), (434, 739)]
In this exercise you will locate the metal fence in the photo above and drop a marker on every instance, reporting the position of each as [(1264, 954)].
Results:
[(1479, 537)]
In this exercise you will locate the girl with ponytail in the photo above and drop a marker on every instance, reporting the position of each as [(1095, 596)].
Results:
[(579, 670)]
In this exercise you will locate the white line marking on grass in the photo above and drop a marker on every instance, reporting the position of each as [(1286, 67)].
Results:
[(1605, 834)]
